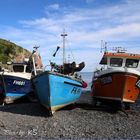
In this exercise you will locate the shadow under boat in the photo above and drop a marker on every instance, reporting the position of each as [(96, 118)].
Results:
[(25, 107), (29, 109), (87, 103)]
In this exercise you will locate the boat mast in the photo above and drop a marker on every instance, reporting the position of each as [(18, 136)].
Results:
[(33, 59), (103, 46), (36, 48), (63, 36)]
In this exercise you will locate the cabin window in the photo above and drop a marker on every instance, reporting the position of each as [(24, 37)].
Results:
[(116, 62), (28, 69), (132, 63), (18, 68)]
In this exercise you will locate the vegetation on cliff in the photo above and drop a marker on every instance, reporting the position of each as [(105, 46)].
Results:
[(9, 51)]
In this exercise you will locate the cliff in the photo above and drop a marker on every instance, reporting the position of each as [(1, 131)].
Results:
[(11, 52)]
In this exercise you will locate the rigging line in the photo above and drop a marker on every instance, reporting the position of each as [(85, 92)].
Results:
[(70, 50)]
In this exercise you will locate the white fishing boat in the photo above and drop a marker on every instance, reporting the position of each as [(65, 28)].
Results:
[(15, 81), (119, 78)]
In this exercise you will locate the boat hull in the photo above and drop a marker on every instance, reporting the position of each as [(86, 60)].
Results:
[(118, 86), (15, 88), (55, 91), (1, 89)]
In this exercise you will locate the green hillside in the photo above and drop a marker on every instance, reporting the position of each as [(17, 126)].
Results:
[(9, 51)]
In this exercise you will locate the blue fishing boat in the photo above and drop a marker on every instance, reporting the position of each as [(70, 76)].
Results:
[(60, 86), (15, 81), (55, 90)]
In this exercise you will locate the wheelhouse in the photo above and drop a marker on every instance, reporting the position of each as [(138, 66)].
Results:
[(21, 67), (118, 60)]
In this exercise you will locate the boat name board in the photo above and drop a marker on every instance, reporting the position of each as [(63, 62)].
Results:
[(75, 90), (138, 84), (106, 80), (19, 83)]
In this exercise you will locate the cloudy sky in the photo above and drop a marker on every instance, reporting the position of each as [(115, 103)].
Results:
[(87, 22)]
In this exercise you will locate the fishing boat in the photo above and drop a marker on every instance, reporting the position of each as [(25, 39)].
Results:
[(15, 80), (119, 78), (60, 86)]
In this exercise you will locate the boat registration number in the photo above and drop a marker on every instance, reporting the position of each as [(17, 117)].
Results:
[(138, 84), (19, 83), (75, 90), (106, 80)]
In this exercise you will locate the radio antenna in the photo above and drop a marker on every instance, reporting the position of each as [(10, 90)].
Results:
[(103, 46)]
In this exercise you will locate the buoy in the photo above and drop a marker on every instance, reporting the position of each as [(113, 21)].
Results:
[(84, 84)]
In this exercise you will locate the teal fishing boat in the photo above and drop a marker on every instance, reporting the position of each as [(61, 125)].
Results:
[(59, 87), (55, 90)]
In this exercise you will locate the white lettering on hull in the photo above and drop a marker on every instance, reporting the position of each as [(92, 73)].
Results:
[(19, 83)]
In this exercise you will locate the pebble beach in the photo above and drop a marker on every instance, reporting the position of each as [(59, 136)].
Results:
[(27, 120)]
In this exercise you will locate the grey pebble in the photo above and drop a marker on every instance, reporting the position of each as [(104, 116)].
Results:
[(79, 121)]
